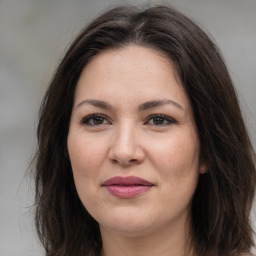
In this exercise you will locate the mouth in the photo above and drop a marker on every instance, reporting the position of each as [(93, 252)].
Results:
[(127, 187)]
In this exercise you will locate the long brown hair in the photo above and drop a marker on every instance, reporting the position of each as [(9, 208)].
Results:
[(224, 196)]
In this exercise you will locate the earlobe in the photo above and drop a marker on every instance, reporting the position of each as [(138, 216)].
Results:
[(203, 168)]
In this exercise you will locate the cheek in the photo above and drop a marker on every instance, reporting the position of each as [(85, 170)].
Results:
[(177, 155), (85, 156), (177, 162), (86, 159)]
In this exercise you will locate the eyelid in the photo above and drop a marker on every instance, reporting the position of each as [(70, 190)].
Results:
[(169, 119), (84, 119)]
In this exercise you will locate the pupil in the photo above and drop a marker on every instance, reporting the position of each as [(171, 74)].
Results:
[(158, 120), (98, 120)]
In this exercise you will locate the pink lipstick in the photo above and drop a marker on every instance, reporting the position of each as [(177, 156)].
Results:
[(127, 187)]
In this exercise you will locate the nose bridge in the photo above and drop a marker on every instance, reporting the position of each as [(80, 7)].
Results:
[(124, 138), (125, 147)]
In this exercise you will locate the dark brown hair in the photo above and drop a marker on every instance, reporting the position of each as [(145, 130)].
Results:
[(223, 199)]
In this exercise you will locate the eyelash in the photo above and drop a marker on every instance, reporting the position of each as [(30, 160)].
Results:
[(92, 118), (163, 117), (87, 119)]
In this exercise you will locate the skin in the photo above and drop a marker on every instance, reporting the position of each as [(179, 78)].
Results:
[(128, 141)]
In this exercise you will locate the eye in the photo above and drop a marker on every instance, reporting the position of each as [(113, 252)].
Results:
[(160, 120), (94, 120)]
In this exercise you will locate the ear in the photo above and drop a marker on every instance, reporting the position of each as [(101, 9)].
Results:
[(203, 167)]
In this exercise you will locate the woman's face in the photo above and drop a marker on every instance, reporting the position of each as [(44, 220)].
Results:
[(133, 143)]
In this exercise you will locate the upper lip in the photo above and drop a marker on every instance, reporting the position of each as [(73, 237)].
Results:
[(126, 181)]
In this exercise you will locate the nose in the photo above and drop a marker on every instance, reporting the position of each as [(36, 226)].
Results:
[(126, 148)]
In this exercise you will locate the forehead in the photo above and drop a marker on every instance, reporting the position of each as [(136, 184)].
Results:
[(128, 72), (131, 58)]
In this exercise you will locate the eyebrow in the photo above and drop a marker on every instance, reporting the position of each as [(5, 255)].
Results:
[(142, 107), (157, 103), (96, 103)]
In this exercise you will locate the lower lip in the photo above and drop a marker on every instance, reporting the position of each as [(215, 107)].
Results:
[(127, 191)]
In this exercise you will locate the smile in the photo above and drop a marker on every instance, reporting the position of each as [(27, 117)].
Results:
[(127, 187)]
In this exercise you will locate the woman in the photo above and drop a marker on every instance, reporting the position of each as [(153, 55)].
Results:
[(142, 149)]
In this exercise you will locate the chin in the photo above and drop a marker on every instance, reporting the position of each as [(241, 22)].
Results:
[(128, 223)]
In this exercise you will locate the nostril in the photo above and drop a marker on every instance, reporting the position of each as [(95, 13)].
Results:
[(114, 161), (126, 156), (124, 163)]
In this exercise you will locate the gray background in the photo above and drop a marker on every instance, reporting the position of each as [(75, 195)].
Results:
[(33, 37)]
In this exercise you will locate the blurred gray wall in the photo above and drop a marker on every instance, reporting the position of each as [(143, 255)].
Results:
[(33, 37)]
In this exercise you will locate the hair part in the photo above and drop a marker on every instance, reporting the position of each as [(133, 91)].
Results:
[(224, 195)]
